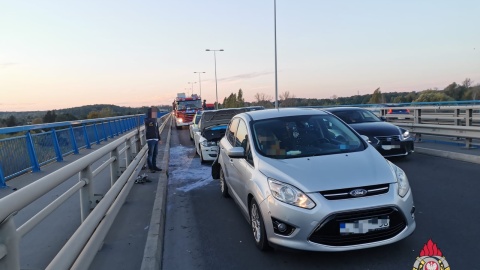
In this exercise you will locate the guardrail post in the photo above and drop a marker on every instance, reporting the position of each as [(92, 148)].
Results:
[(86, 192), (417, 119), (456, 114), (58, 152), (9, 245), (124, 125), (95, 128), (129, 153), (2, 178), (105, 135), (32, 153), (85, 134), (468, 123), (110, 128), (74, 142), (457, 121), (139, 139), (115, 166)]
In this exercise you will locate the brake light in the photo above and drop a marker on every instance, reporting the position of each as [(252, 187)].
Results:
[(408, 111), (390, 111)]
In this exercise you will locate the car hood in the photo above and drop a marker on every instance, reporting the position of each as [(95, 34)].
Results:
[(376, 129), (347, 170), (220, 117)]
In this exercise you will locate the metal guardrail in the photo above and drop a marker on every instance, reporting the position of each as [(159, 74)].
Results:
[(81, 248), (460, 122), (45, 143)]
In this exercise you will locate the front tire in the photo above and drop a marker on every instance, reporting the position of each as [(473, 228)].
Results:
[(258, 227), (202, 161), (223, 185)]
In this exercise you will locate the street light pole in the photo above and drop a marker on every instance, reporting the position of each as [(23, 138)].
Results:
[(215, 60), (199, 81), (192, 85), (275, 34)]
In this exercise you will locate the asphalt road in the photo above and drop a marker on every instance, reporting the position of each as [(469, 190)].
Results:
[(206, 231)]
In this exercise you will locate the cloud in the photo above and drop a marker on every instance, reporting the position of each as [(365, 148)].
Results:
[(245, 76), (7, 64)]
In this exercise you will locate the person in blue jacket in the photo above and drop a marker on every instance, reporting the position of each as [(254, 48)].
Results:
[(152, 135)]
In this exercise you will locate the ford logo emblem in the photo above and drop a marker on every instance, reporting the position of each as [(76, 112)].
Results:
[(359, 192)]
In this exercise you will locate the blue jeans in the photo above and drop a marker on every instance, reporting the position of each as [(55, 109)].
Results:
[(152, 154)]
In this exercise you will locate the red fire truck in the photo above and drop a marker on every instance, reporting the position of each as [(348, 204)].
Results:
[(184, 108)]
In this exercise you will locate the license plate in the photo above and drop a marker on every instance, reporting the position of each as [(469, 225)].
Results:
[(365, 225)]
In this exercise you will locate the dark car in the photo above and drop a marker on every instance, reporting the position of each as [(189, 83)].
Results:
[(399, 112), (387, 138)]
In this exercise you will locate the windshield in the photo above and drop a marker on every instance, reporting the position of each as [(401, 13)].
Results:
[(304, 136), (357, 116), (189, 104), (197, 119)]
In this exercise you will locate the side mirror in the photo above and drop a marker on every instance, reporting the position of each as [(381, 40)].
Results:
[(365, 138), (236, 152)]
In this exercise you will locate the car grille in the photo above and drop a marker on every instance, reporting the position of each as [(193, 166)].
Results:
[(388, 139), (188, 118), (339, 194), (328, 233)]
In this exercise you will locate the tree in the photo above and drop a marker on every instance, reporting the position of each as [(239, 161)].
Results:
[(467, 83), (50, 117), (106, 112), (240, 100), (65, 117), (37, 121), (263, 100), (432, 96), (93, 115), (231, 101), (11, 121), (287, 99), (376, 97)]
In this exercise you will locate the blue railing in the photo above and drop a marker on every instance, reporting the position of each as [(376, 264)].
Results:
[(33, 146)]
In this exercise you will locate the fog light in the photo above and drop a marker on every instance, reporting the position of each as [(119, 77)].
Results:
[(282, 227), (279, 227)]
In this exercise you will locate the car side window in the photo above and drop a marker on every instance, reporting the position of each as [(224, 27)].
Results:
[(232, 129), (241, 139)]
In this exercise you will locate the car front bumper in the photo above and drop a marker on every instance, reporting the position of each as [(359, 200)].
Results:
[(318, 229), (392, 149)]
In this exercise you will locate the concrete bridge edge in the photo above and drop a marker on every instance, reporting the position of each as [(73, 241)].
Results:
[(152, 255)]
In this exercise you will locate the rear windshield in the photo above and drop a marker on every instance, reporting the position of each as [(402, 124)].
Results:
[(357, 116), (304, 136)]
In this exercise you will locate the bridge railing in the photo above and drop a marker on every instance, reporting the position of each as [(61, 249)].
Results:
[(459, 122), (30, 147), (97, 214)]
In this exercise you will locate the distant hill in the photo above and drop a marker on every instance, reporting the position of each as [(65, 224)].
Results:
[(82, 112)]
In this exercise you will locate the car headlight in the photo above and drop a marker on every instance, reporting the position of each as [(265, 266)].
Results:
[(405, 133), (208, 144), (180, 120), (402, 180), (289, 194)]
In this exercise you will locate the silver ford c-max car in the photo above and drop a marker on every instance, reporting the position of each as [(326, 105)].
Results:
[(306, 180)]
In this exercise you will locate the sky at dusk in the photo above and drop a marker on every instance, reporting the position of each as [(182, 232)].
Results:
[(60, 54)]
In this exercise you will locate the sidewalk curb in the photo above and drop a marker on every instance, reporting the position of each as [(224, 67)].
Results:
[(152, 255), (447, 154)]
